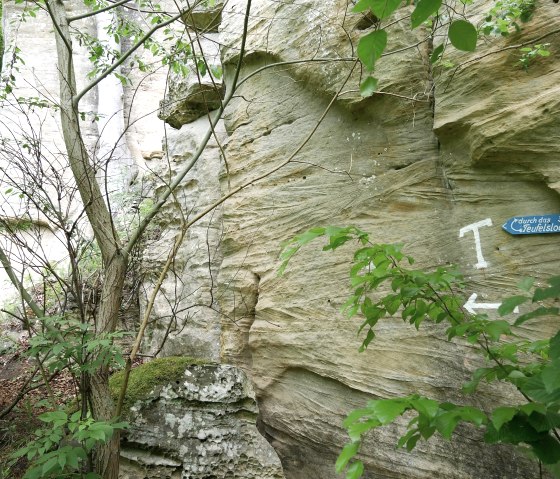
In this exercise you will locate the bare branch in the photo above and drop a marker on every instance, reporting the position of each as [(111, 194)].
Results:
[(201, 147), (16, 282), (281, 165)]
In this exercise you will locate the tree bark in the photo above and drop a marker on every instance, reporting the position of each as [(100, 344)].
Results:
[(106, 459)]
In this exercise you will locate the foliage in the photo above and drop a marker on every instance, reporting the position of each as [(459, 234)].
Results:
[(505, 16), (530, 54), (68, 343), (75, 326), (146, 377), (382, 287), (62, 447)]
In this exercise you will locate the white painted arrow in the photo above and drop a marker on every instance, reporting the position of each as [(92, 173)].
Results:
[(471, 305)]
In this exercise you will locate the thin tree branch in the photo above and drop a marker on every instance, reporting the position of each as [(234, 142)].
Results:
[(294, 62), (21, 290), (202, 146), (281, 165), (22, 392), (101, 10), (170, 258), (122, 59), (511, 47)]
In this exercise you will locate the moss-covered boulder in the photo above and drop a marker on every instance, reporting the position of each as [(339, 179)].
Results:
[(195, 420), (150, 377)]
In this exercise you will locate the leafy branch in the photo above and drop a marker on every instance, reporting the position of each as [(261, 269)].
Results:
[(382, 287)]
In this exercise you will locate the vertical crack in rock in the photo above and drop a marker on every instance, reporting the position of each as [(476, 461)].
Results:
[(238, 304)]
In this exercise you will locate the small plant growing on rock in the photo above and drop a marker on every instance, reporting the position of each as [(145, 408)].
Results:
[(530, 54), (506, 16)]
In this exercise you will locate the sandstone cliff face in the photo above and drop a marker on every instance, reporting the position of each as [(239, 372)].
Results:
[(482, 149), (433, 153)]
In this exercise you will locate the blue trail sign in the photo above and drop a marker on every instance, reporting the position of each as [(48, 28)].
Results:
[(532, 225)]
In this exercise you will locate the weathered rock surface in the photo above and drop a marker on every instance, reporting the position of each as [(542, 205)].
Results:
[(199, 427), (431, 153), (196, 91), (402, 170), (189, 99), (186, 316), (205, 18)]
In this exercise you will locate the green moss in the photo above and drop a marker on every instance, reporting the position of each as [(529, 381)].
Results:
[(146, 377)]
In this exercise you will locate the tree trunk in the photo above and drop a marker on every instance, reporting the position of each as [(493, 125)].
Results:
[(106, 459)]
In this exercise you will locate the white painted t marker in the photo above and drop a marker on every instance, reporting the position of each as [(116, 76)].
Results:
[(474, 228)]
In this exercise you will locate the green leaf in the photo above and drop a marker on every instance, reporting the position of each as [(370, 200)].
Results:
[(96, 434), (540, 311), (446, 423), (61, 460), (369, 337), (502, 415), (384, 8), (380, 8), (356, 430), (551, 376), (424, 9), (532, 407), (472, 415), (509, 304), (491, 436), (348, 452), (368, 86), (362, 6), (544, 422), (392, 303), (371, 47), (534, 388), (355, 415), (425, 406), (49, 465), (547, 449), (518, 430), (56, 417), (496, 328), (554, 352), (526, 284), (436, 54), (553, 291), (554, 469), (387, 410), (404, 439), (355, 470), (463, 35)]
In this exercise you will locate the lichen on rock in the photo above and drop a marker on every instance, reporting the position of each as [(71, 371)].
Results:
[(193, 420)]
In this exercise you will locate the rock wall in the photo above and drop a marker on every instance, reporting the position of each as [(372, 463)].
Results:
[(432, 153), (437, 159)]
